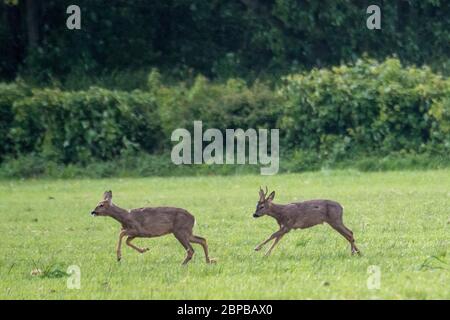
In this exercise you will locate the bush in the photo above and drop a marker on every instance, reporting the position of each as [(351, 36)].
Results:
[(78, 127), (367, 108), (230, 105), (29, 166), (99, 124), (359, 114), (9, 93)]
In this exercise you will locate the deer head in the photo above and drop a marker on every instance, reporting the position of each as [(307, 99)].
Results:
[(263, 204), (103, 208)]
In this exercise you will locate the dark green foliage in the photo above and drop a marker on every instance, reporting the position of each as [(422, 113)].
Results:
[(378, 116), (9, 93), (222, 106), (84, 113), (78, 127), (368, 108), (221, 39)]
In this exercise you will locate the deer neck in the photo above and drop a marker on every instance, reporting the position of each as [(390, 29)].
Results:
[(119, 214), (275, 211)]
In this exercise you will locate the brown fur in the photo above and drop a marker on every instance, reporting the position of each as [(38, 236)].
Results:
[(152, 222), (302, 215)]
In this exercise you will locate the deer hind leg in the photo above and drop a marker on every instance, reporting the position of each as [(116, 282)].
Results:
[(140, 250), (202, 241), (352, 242), (184, 240), (347, 234)]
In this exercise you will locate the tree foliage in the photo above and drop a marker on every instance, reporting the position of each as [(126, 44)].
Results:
[(363, 109), (217, 38)]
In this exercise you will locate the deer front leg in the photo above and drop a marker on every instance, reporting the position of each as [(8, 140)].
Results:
[(274, 243), (119, 245), (140, 250), (282, 231)]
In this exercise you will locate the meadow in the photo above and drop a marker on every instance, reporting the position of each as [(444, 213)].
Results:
[(401, 223)]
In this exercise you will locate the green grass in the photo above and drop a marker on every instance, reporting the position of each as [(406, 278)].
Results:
[(400, 221)]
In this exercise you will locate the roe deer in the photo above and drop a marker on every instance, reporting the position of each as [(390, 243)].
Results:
[(301, 215), (152, 222)]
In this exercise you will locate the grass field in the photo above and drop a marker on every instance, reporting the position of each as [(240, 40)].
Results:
[(400, 221)]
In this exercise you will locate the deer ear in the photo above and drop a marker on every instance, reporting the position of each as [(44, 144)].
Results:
[(108, 195), (271, 196)]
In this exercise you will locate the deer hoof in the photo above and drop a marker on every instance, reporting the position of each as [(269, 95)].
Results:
[(145, 250), (266, 254), (257, 248), (212, 261)]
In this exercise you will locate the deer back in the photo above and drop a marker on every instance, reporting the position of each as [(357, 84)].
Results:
[(153, 222), (312, 212)]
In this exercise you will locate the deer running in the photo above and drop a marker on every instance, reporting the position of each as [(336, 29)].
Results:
[(152, 222), (301, 215)]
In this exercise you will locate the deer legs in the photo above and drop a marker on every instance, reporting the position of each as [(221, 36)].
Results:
[(273, 236), (347, 234), (119, 245), (277, 236), (122, 234), (185, 238), (140, 250), (202, 241), (274, 244)]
